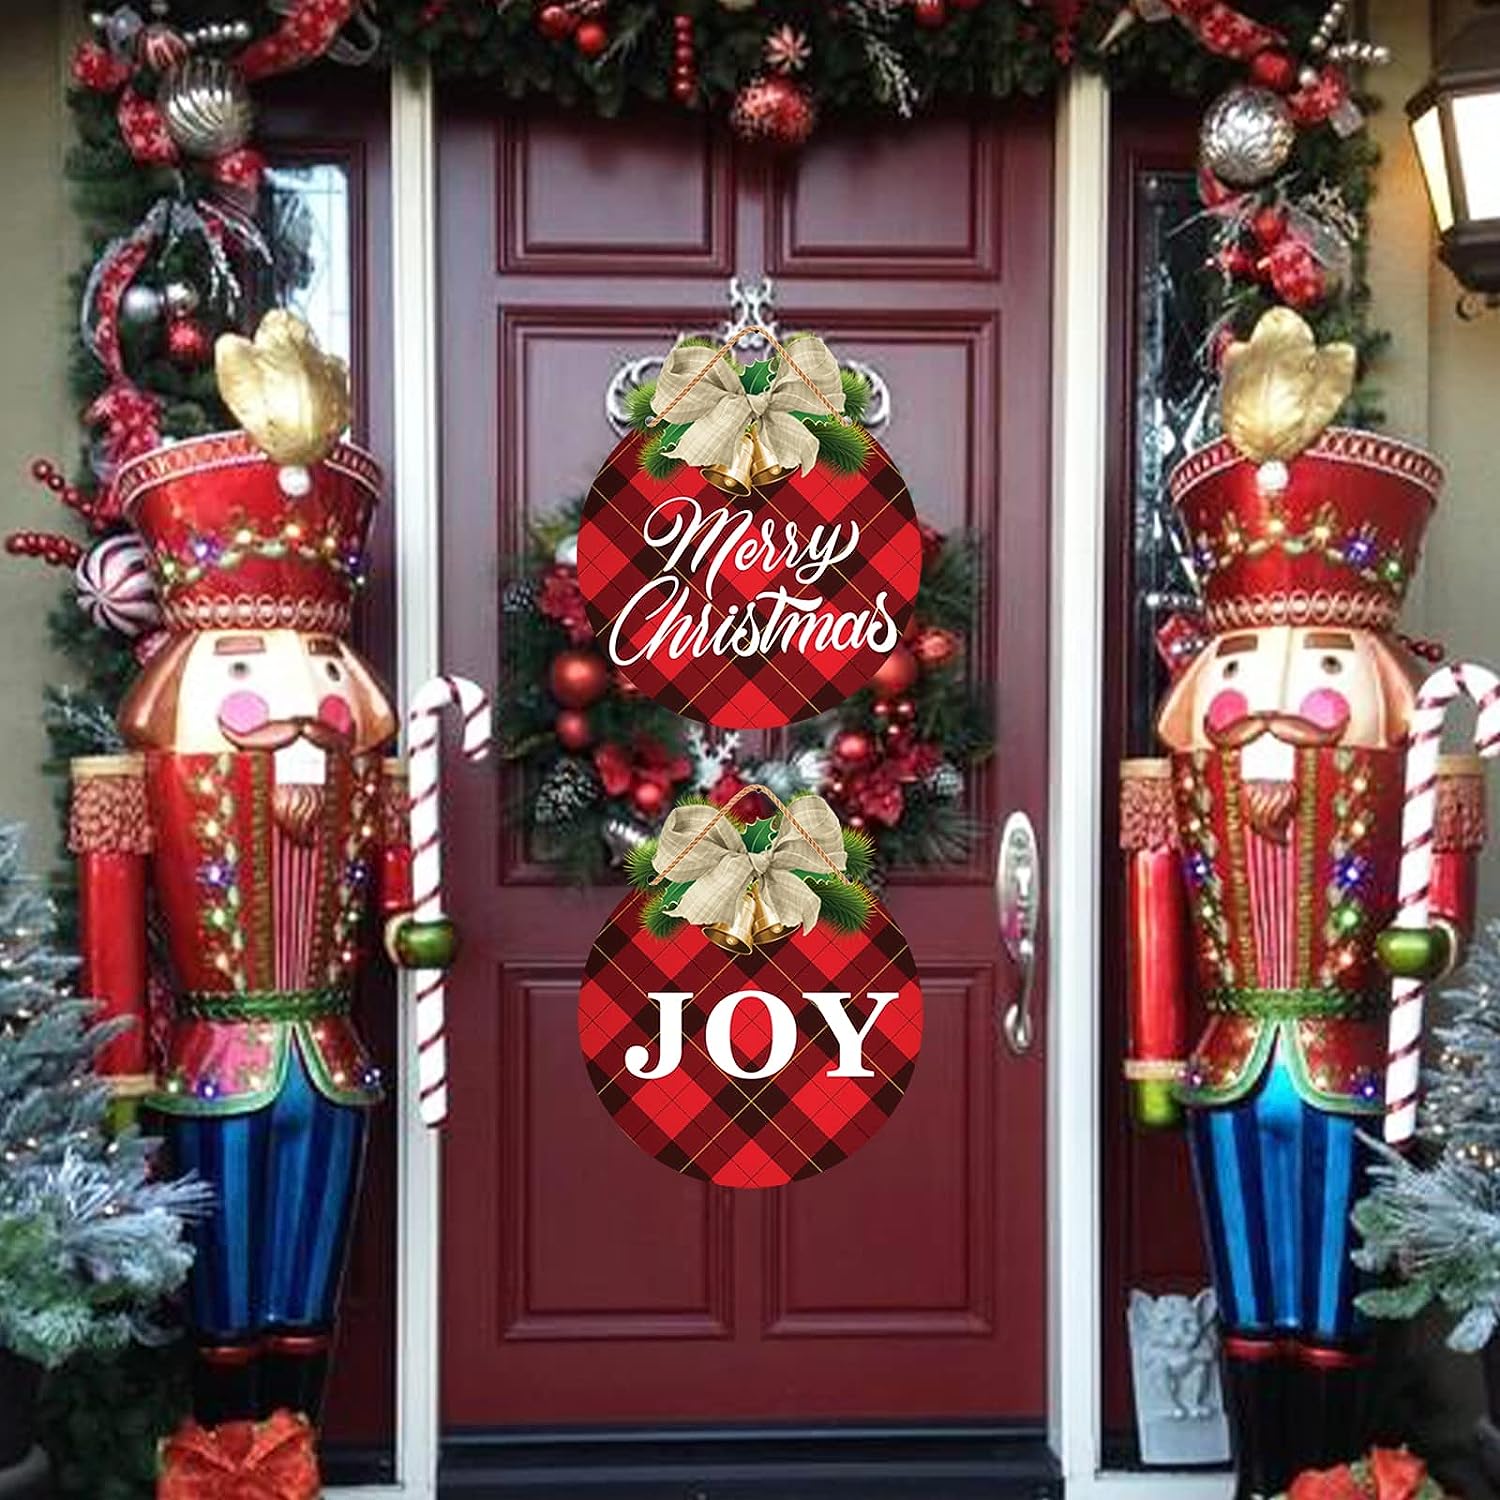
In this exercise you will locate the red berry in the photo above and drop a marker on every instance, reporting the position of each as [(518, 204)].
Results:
[(929, 14), (683, 52), (41, 469), (684, 90), (555, 22), (591, 38), (1268, 226), (683, 24), (1274, 70)]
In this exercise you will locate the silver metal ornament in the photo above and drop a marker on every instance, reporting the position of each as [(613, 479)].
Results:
[(1247, 136), (181, 299), (141, 305), (621, 835), (565, 554), (207, 107)]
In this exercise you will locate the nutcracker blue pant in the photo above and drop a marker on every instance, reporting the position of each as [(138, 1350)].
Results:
[(1277, 1179), (285, 1179)]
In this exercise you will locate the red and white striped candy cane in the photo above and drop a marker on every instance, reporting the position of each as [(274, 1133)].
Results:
[(1463, 679), (433, 699)]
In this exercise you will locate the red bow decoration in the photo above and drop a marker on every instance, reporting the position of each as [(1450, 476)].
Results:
[(308, 31), (271, 1460), (1224, 30)]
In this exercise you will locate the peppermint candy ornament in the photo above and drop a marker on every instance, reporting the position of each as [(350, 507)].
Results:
[(115, 587)]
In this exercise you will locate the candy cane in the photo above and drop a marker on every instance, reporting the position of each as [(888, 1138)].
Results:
[(427, 709), (1418, 817)]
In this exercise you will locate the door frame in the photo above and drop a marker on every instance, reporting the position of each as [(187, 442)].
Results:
[(1079, 449)]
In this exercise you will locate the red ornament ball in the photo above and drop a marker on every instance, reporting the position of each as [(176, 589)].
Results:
[(929, 14), (851, 748), (775, 111), (935, 646), (1269, 226), (578, 678), (648, 796), (591, 38), (897, 673), (188, 343), (573, 729), (556, 22), (1273, 70)]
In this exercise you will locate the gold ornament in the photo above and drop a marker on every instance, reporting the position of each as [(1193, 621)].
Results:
[(764, 470), (287, 394), (737, 477), (767, 929), (1280, 390), (738, 935)]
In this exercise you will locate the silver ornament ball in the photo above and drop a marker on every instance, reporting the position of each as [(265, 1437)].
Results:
[(1247, 136), (141, 305), (206, 105), (565, 554)]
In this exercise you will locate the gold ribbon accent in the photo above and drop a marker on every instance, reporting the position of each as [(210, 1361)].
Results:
[(740, 898), (738, 439)]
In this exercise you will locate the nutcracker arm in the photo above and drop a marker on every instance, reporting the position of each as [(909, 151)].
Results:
[(1432, 952), (109, 833), (1458, 837), (409, 944), (1157, 965)]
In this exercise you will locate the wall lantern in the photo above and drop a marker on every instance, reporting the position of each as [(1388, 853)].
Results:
[(1455, 122)]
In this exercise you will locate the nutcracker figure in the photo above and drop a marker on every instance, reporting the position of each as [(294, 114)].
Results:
[(227, 861), (1262, 858)]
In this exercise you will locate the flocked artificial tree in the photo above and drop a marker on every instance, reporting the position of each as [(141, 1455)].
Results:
[(90, 1242), (1434, 1219)]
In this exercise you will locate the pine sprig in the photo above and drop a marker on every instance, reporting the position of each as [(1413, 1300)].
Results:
[(844, 905), (846, 449)]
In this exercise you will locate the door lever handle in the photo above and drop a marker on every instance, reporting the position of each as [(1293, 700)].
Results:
[(1018, 901)]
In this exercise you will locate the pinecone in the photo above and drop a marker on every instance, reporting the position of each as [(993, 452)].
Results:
[(946, 782), (567, 788), (519, 598)]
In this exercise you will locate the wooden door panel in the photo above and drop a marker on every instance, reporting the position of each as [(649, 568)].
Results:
[(583, 1283), (846, 209), (570, 202)]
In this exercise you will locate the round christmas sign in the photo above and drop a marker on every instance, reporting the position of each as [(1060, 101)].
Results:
[(752, 1016), (750, 557)]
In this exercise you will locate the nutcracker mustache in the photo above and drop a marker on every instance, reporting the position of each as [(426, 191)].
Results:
[(1291, 729), (277, 734)]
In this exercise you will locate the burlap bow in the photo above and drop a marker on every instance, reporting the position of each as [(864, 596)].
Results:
[(699, 844), (720, 409)]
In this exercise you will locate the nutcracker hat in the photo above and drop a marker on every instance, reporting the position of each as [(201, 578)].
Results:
[(263, 528), (1291, 521)]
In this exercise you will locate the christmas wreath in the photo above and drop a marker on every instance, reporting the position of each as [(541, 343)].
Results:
[(602, 765)]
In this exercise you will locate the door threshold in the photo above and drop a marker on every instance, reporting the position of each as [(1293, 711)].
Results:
[(947, 1461)]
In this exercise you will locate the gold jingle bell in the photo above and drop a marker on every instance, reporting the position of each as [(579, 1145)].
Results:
[(751, 469), (752, 927), (763, 471), (738, 479), (765, 930), (737, 936)]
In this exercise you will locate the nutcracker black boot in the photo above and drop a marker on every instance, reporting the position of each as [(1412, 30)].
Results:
[(225, 1382), (1255, 1388), (294, 1372), (1330, 1405)]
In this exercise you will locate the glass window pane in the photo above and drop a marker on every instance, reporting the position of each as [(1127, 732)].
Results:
[(1175, 412), (313, 272)]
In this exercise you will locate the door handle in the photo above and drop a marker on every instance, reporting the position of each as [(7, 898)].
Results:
[(1018, 899)]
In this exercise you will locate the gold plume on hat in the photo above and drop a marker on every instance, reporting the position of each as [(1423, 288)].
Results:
[(287, 394), (1281, 390)]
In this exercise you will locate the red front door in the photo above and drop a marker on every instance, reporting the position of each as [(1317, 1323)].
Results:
[(582, 1283)]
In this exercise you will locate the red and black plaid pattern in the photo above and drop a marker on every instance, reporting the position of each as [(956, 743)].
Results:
[(748, 1132), (774, 686)]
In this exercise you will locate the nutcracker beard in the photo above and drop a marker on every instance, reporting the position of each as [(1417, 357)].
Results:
[(297, 807), (1271, 801)]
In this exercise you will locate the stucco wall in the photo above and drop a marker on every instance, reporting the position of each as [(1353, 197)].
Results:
[(38, 244)]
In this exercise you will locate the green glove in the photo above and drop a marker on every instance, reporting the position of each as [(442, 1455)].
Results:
[(1415, 952), (421, 945), (123, 1112), (1153, 1103)]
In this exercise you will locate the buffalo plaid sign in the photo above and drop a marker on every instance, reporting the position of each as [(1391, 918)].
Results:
[(748, 612), (705, 1122)]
